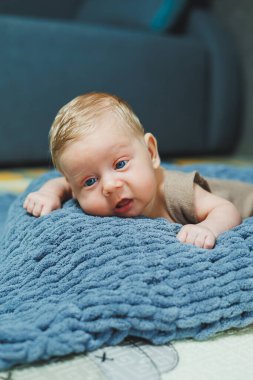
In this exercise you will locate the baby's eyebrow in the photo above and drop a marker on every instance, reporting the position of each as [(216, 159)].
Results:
[(121, 146), (80, 176), (118, 148)]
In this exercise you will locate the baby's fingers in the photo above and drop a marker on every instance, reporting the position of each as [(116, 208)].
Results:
[(182, 235), (194, 235), (36, 211), (187, 235), (25, 203), (29, 201), (32, 206), (200, 241), (209, 242), (46, 210), (29, 205)]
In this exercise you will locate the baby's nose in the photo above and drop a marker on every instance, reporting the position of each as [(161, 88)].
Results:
[(110, 185)]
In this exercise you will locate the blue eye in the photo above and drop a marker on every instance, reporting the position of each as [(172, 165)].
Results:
[(90, 182), (121, 164)]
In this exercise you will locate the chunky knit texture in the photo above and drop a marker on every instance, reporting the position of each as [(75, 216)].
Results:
[(71, 283)]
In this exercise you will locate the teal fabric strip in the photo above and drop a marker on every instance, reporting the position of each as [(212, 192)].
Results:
[(167, 14)]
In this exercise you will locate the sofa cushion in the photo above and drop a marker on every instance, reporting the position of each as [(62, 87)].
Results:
[(40, 8)]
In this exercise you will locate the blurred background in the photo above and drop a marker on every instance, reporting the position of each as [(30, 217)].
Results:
[(185, 66), (237, 19)]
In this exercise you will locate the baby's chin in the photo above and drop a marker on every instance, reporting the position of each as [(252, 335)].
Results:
[(127, 209)]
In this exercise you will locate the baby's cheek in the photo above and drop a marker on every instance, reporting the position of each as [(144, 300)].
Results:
[(149, 184), (94, 206), (81, 202)]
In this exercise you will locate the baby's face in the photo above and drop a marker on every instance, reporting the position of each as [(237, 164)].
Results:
[(111, 171)]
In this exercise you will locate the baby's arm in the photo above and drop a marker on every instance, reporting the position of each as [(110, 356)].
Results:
[(48, 198), (215, 216)]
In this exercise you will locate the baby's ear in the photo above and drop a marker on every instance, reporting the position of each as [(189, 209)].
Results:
[(151, 143)]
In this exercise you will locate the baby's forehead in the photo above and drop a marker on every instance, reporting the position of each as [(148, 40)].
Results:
[(97, 146), (113, 123)]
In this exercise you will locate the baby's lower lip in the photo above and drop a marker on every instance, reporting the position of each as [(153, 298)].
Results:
[(127, 204)]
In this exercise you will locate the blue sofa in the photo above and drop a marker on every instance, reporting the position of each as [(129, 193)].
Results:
[(185, 85)]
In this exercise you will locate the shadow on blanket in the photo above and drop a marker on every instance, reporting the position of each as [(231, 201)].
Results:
[(71, 283)]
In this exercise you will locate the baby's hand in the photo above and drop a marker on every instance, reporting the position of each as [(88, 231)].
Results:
[(40, 203), (198, 235)]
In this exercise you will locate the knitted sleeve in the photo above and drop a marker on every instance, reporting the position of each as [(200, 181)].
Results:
[(179, 195)]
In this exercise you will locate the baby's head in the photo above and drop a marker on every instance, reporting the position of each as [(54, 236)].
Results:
[(99, 145), (82, 115)]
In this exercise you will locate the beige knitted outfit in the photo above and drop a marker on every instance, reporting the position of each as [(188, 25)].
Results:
[(179, 194)]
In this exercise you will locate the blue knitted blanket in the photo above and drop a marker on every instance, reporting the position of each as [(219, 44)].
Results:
[(71, 283)]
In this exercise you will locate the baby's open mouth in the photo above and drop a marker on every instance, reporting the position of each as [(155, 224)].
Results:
[(124, 205)]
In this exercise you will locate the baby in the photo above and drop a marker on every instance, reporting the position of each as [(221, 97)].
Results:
[(112, 168)]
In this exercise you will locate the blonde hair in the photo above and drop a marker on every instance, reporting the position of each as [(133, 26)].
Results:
[(78, 116)]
